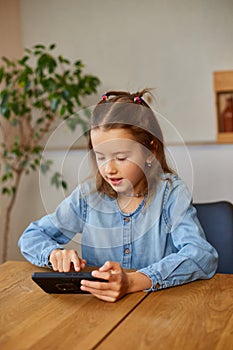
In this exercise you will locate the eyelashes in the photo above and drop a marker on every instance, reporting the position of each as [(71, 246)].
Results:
[(102, 159)]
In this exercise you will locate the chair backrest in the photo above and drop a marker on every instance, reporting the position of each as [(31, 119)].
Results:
[(216, 219)]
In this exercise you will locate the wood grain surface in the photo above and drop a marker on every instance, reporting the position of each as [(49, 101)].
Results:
[(198, 315), (32, 319)]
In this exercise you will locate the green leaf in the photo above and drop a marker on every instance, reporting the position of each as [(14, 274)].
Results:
[(33, 167), (66, 95), (5, 112), (1, 74), (37, 161), (64, 185), (37, 150), (28, 51), (36, 135), (23, 60), (7, 61), (62, 110), (6, 190), (39, 120), (73, 121), (45, 166), (46, 61), (57, 181), (23, 164), (49, 84), (54, 104), (61, 59), (39, 46), (7, 176), (7, 168), (79, 64), (37, 52), (52, 46)]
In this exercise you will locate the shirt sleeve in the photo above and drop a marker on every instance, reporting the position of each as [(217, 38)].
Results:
[(52, 231), (194, 258)]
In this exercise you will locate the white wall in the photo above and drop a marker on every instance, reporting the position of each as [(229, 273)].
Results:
[(172, 45)]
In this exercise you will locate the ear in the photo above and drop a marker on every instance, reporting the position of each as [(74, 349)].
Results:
[(153, 152)]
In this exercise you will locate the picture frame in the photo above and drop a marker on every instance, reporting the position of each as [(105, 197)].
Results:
[(224, 103), (223, 89)]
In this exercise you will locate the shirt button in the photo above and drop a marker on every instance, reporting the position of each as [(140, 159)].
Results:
[(127, 251), (127, 219)]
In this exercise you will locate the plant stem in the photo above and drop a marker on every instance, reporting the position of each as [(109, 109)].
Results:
[(9, 208)]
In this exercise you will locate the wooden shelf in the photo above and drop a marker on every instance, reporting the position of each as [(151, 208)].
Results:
[(225, 137)]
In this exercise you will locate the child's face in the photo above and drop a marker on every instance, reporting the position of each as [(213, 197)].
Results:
[(120, 159)]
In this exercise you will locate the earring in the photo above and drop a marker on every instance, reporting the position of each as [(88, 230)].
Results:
[(148, 164)]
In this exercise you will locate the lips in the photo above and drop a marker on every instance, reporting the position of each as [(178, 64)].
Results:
[(115, 182)]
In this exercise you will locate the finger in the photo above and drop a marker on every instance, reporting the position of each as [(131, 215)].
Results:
[(83, 263), (60, 263), (54, 265), (104, 275), (115, 267), (57, 260), (107, 266), (76, 262), (53, 260), (106, 295), (94, 289), (95, 285), (66, 264)]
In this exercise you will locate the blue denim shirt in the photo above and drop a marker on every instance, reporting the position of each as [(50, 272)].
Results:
[(162, 239)]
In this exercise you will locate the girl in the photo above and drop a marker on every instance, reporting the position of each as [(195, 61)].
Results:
[(137, 214)]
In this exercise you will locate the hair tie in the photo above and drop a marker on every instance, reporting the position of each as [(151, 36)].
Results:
[(104, 97), (137, 99)]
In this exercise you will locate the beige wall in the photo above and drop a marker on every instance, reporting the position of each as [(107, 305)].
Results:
[(10, 46), (10, 28), (173, 46)]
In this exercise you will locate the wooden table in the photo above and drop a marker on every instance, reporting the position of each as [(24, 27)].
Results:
[(198, 315)]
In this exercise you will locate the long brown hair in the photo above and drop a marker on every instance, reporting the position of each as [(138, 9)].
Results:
[(121, 109)]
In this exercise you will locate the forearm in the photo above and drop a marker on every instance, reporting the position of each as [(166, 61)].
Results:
[(36, 244), (177, 269), (138, 281)]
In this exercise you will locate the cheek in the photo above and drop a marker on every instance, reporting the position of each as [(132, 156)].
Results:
[(138, 163), (134, 170), (100, 168)]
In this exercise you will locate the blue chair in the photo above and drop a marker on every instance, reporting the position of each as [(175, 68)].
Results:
[(216, 219)]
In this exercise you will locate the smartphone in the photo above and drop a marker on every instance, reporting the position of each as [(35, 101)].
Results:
[(63, 282)]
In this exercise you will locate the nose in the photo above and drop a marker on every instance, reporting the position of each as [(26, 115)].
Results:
[(110, 167)]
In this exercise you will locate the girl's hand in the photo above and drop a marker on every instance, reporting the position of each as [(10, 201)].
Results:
[(116, 286), (63, 260)]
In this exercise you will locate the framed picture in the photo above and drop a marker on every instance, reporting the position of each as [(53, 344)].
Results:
[(225, 111), (223, 88)]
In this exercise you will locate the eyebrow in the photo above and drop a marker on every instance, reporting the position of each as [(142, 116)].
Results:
[(118, 152)]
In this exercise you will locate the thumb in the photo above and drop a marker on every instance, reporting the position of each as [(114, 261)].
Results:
[(115, 267), (106, 267)]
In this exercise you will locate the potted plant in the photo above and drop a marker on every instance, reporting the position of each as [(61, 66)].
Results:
[(36, 91)]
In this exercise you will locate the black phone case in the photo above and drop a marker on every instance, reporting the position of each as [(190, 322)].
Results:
[(62, 282)]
